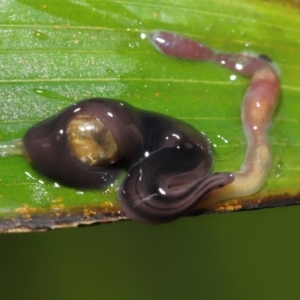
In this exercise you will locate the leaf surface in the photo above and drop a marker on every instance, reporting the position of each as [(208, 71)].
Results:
[(54, 53)]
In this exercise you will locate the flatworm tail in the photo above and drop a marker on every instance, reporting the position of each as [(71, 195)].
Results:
[(258, 108)]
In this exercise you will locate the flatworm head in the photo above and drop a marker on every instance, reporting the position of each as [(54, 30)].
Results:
[(55, 146)]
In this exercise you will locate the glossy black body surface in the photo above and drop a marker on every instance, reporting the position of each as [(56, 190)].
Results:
[(168, 162)]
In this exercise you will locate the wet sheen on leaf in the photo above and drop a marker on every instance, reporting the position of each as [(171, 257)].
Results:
[(54, 53)]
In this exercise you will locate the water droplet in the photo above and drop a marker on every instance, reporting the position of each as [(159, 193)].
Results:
[(29, 176), (225, 144), (110, 71), (40, 35), (239, 66), (280, 167), (49, 94)]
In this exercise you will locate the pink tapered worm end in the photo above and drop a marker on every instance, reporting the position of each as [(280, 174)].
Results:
[(179, 46)]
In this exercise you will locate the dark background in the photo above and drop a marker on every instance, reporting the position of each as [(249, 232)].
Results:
[(245, 255)]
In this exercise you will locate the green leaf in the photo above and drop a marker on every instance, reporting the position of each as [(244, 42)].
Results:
[(54, 53)]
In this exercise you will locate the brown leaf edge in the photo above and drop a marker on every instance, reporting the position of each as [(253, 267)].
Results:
[(30, 219)]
